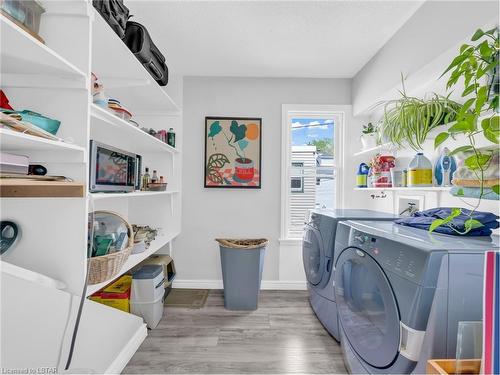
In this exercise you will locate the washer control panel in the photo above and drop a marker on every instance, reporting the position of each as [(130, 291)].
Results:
[(395, 257)]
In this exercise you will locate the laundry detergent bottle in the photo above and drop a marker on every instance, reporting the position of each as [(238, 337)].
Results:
[(420, 171), (362, 176)]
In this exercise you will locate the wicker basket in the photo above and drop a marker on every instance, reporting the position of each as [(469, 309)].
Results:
[(253, 243), (105, 267)]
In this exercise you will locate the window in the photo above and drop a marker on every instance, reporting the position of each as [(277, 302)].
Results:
[(297, 183), (310, 149)]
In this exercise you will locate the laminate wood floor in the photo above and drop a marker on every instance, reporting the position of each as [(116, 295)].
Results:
[(282, 336)]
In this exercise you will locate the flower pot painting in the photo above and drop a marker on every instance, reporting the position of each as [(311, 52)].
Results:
[(233, 148)]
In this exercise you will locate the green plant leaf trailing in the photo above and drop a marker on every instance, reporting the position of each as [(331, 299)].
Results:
[(477, 65)]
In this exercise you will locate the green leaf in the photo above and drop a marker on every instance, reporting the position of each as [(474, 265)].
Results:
[(477, 35), (464, 47), (441, 137), (494, 123), (485, 50), (482, 96), (454, 213), (460, 192), (456, 61), (468, 103), (478, 161), (460, 127), (491, 136), (469, 90), (496, 189), (460, 149), (485, 124), (471, 224), (436, 223), (494, 103)]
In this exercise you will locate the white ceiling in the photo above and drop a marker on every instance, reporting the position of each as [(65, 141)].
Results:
[(270, 38)]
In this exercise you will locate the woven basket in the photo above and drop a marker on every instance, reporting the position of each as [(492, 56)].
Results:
[(242, 243), (105, 267)]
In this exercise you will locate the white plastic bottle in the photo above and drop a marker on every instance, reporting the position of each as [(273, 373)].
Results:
[(420, 171)]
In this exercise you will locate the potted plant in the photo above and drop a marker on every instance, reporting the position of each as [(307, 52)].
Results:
[(369, 138), (410, 119), (475, 66)]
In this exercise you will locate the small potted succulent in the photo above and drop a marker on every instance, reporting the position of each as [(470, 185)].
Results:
[(369, 138)]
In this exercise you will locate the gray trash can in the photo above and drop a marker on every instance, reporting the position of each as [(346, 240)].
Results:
[(242, 262)]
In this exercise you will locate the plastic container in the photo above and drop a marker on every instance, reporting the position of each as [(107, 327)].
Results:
[(420, 171), (242, 263), (147, 283), (398, 177), (146, 299), (139, 247), (362, 176), (122, 113), (151, 312), (120, 301), (115, 295)]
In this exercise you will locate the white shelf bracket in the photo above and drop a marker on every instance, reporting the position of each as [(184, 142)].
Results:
[(172, 204)]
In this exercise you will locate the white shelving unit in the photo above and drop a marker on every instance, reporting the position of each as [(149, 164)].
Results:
[(373, 150), (135, 194), (54, 79), (429, 188)]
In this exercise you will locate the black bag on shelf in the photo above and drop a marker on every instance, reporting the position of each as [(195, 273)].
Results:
[(139, 42), (115, 13)]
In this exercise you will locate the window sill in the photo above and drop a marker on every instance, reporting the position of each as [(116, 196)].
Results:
[(290, 241)]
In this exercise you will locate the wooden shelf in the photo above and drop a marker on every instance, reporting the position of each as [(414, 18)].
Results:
[(124, 78), (17, 188), (24, 59), (429, 188), (104, 123), (133, 260)]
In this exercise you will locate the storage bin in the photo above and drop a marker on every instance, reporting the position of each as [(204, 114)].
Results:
[(151, 312), (96, 297), (168, 267), (116, 294), (147, 294), (120, 301), (147, 283)]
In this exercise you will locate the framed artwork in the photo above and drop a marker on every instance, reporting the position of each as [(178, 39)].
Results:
[(233, 147)]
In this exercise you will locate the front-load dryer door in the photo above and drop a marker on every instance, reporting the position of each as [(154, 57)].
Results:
[(367, 309), (313, 255)]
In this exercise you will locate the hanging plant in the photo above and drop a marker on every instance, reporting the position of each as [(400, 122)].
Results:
[(409, 120), (477, 66)]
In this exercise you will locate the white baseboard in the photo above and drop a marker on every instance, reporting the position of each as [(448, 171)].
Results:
[(217, 284)]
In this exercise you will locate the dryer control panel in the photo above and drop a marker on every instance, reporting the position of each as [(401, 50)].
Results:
[(405, 261)]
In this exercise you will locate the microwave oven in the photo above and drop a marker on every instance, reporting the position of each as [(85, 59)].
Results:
[(112, 169)]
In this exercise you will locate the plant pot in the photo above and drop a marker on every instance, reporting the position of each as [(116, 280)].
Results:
[(243, 170), (369, 140)]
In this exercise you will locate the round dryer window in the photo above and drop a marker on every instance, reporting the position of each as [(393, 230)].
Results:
[(367, 309), (313, 254)]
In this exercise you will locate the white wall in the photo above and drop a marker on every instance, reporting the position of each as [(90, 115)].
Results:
[(422, 49), (435, 29), (211, 213)]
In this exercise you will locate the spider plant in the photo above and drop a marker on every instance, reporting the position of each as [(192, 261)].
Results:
[(410, 119)]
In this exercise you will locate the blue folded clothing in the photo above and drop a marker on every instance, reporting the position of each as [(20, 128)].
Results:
[(424, 219)]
